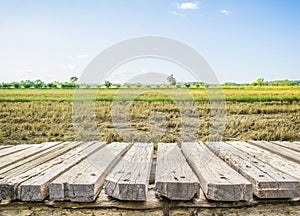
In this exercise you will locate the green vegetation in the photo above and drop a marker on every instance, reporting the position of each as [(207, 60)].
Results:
[(73, 83), (231, 93), (260, 112)]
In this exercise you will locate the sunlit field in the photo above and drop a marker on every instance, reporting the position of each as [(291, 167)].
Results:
[(259, 113), (236, 93)]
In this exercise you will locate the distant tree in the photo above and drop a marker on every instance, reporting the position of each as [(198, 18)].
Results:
[(260, 81), (127, 85), (118, 85), (16, 84), (27, 84), (107, 84), (138, 85), (187, 85), (73, 79), (171, 80), (38, 84)]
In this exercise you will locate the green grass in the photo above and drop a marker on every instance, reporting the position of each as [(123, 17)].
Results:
[(238, 94)]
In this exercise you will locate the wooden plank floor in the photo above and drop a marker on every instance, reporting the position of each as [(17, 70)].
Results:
[(218, 180), (174, 178), (99, 173), (267, 181)]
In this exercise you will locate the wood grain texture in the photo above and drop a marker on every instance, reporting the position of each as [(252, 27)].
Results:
[(130, 177), (267, 181), (7, 151), (29, 163), (83, 182), (289, 145), (36, 188), (11, 179), (218, 181), (282, 151), (280, 163), (26, 153), (174, 179), (4, 146)]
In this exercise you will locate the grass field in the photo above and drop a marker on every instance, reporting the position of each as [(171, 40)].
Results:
[(236, 93), (37, 116)]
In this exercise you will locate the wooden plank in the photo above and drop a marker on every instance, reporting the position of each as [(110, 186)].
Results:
[(26, 153), (37, 187), (7, 151), (282, 151), (36, 160), (267, 182), (174, 178), (83, 182), (289, 145), (4, 146), (217, 180), (129, 179), (153, 170), (280, 163), (12, 179)]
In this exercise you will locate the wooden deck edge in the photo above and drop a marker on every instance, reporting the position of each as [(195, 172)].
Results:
[(152, 203)]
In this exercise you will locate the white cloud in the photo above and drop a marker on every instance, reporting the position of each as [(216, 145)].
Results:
[(189, 5), (176, 14), (225, 12), (69, 66), (83, 56)]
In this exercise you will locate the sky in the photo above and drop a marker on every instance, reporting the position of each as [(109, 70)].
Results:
[(242, 40)]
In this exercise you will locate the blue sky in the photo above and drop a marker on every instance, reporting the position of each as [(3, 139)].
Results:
[(242, 40)]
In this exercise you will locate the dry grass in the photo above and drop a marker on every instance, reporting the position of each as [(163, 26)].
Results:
[(36, 122), (237, 93)]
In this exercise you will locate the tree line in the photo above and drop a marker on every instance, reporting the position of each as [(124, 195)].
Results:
[(170, 82)]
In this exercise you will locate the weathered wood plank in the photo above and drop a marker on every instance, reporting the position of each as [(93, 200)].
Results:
[(83, 182), (4, 146), (282, 151), (130, 177), (217, 180), (153, 170), (174, 178), (37, 187), (289, 145), (282, 164), (36, 160), (267, 182), (26, 153), (10, 180), (6, 151)]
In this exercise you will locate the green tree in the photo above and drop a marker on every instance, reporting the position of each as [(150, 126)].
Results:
[(38, 84), (107, 84), (138, 85), (73, 79), (127, 85), (171, 80), (187, 85), (260, 81)]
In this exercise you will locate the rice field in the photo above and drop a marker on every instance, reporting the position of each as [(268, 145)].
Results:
[(235, 94), (258, 113)]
